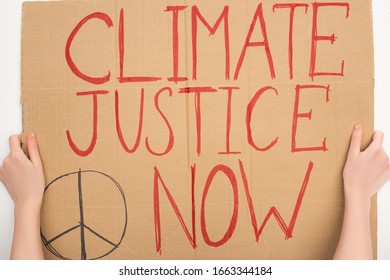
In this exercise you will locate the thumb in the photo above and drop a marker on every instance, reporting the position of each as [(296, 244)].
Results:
[(356, 141), (33, 152), (377, 138)]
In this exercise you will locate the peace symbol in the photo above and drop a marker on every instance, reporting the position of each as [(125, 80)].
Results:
[(80, 184)]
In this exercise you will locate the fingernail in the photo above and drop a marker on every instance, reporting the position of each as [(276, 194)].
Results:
[(357, 127), (32, 136)]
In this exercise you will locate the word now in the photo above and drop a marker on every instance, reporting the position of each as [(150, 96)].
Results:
[(197, 92), (228, 172), (258, 21)]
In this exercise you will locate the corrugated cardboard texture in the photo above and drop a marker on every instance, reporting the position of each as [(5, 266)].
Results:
[(246, 112)]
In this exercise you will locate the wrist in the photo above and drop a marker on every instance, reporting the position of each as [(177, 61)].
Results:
[(357, 203), (356, 193), (27, 208)]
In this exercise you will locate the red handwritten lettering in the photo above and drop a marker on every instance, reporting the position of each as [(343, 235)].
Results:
[(175, 42), (84, 153), (233, 221), (307, 115), (68, 57), (197, 91), (171, 136), (121, 44), (228, 119), (118, 125), (224, 16), (316, 38), (257, 17), (157, 223), (292, 7), (249, 111), (288, 230)]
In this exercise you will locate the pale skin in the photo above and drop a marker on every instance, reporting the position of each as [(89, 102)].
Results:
[(25, 182), (364, 174)]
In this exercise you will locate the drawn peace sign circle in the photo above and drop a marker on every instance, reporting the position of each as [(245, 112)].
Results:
[(85, 215)]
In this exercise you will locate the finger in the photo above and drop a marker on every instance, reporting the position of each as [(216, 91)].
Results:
[(15, 144), (377, 138), (32, 148), (356, 141)]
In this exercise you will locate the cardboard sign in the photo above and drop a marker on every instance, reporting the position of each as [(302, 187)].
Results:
[(195, 129)]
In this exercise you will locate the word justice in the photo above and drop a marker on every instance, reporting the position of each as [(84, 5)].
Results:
[(258, 22), (197, 92)]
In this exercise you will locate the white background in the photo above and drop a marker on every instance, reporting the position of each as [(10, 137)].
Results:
[(11, 121)]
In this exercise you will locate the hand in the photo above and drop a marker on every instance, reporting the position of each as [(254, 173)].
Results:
[(25, 183), (365, 172), (23, 177)]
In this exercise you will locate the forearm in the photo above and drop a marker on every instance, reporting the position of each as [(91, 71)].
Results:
[(355, 238), (26, 240)]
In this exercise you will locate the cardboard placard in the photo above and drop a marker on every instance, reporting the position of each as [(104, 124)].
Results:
[(195, 129)]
